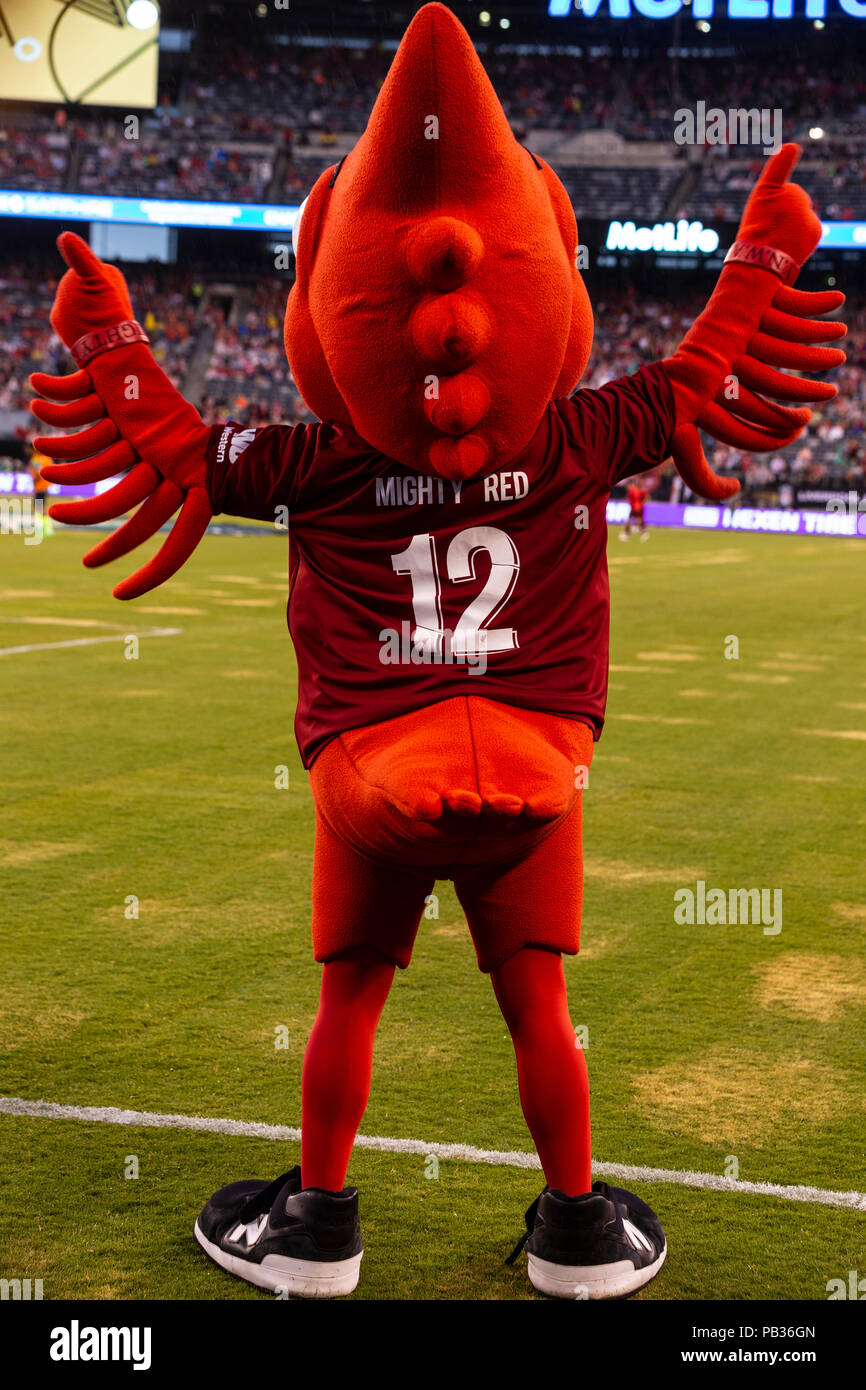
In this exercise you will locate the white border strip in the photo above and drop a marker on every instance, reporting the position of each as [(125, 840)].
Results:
[(110, 1115), (91, 641)]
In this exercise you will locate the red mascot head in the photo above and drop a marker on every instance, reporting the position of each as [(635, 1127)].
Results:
[(437, 307)]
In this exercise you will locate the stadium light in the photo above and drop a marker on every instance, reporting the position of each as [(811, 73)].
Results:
[(818, 24), (505, 23), (484, 17), (703, 26), (816, 133), (142, 14)]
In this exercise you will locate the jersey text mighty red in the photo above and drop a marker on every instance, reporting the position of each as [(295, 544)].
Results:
[(407, 589)]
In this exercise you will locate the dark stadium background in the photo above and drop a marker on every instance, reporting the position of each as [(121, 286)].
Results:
[(255, 101)]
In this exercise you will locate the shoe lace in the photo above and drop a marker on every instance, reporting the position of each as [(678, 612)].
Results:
[(530, 1219), (263, 1201)]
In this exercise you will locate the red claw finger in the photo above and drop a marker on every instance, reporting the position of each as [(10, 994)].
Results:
[(62, 388), (792, 301), (740, 435), (796, 329), (181, 542), (153, 513), (115, 459), (779, 169), (776, 352), (133, 489), (771, 416), (78, 255), (750, 372), (70, 413), (78, 446), (690, 463)]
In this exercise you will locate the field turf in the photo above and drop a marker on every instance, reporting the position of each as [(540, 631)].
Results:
[(148, 785)]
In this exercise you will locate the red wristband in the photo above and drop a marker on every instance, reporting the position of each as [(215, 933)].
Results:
[(104, 339), (766, 258)]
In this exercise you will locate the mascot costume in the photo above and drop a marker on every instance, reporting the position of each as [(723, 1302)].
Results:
[(448, 590)]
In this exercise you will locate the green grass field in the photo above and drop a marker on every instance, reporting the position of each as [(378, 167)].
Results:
[(154, 777)]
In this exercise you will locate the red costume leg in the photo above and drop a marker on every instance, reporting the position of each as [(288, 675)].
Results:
[(338, 1063), (551, 1067)]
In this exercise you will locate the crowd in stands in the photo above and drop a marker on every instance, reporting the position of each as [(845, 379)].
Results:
[(34, 153), (29, 344), (830, 93), (167, 303), (248, 378), (230, 122), (833, 173), (170, 158)]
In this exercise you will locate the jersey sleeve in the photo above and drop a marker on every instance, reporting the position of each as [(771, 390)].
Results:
[(252, 472), (624, 427)]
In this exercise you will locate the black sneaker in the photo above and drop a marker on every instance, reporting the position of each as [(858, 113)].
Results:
[(606, 1243), (285, 1238)]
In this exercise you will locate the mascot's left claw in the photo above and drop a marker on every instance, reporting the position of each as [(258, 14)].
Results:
[(194, 519), (128, 493), (689, 461)]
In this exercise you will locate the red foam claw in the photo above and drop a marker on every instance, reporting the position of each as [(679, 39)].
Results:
[(68, 414), (727, 428), (760, 377), (179, 545), (776, 352), (810, 302), (153, 513), (115, 459), (796, 329), (62, 388), (757, 411), (777, 170), (78, 446), (690, 463), (79, 257), (127, 494)]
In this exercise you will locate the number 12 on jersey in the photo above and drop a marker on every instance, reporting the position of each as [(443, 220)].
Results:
[(473, 633)]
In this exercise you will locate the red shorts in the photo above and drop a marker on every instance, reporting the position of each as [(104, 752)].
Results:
[(520, 881)]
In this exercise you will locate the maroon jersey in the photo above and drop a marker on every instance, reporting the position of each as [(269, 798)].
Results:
[(407, 589)]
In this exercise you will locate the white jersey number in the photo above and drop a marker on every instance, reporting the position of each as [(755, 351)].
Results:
[(472, 634)]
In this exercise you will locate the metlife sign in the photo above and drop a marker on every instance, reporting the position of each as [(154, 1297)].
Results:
[(693, 238), (710, 9), (680, 237)]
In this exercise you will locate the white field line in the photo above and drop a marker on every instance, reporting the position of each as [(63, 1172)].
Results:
[(91, 641), (624, 1172)]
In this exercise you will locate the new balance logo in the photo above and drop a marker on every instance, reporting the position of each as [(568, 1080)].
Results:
[(636, 1238), (248, 1233)]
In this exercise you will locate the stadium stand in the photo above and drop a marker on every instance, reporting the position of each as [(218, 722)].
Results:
[(266, 122)]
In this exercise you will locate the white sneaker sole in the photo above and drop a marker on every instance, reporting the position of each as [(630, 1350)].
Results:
[(616, 1280), (281, 1274)]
